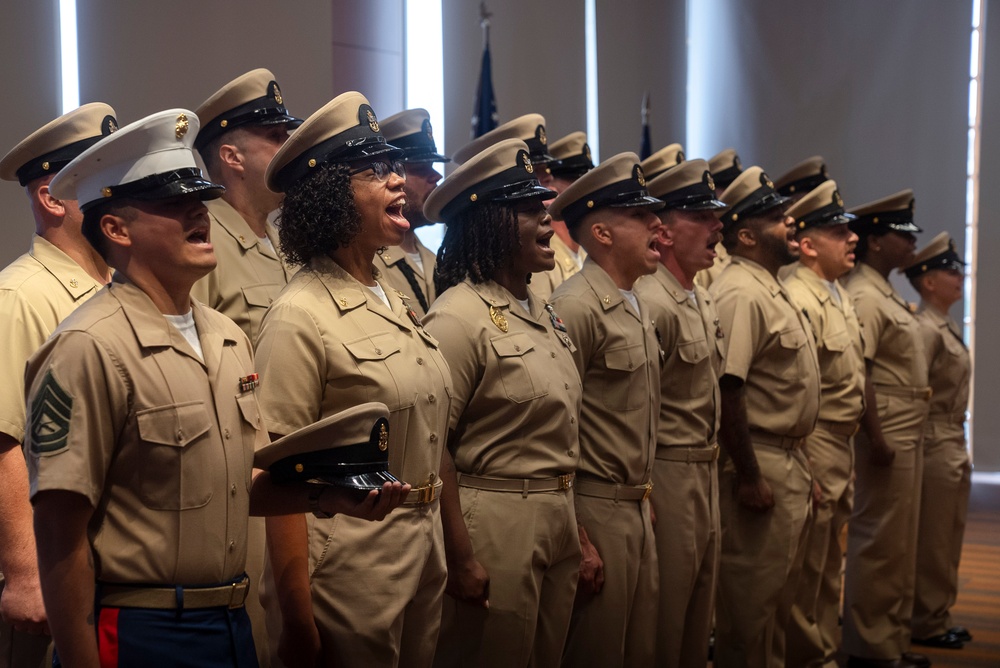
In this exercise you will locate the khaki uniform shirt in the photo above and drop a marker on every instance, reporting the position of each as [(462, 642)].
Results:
[(891, 334), (619, 361), (567, 264), (949, 365), (248, 276), (160, 443), (37, 290), (516, 392), (690, 336), (839, 344), (390, 263), (769, 347), (329, 343)]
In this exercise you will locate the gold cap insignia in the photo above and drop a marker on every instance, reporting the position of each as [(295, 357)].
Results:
[(473, 197), (45, 165), (111, 125), (528, 167), (299, 468), (768, 182), (372, 121), (181, 127), (540, 133), (639, 176), (106, 191), (497, 316), (223, 123), (836, 198), (802, 224), (383, 437), (709, 181), (312, 162), (277, 95), (428, 130)]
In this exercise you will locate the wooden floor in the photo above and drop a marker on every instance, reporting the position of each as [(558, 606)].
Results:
[(978, 606)]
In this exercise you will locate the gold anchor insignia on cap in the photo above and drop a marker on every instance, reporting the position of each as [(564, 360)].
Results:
[(496, 315), (181, 127), (372, 121), (73, 283), (836, 198), (277, 94), (223, 123), (106, 191), (540, 133), (428, 130), (639, 176), (45, 165), (767, 181), (383, 438), (528, 167), (709, 181), (112, 125)]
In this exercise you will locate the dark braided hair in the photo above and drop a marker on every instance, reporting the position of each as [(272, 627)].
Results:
[(476, 243), (318, 215)]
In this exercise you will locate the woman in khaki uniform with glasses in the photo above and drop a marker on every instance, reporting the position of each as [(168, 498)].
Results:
[(351, 594)]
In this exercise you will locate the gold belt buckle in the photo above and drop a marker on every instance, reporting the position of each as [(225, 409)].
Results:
[(648, 492), (565, 481), (238, 594), (426, 494)]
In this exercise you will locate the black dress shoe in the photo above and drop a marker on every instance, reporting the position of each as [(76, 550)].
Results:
[(961, 633), (916, 660), (946, 640)]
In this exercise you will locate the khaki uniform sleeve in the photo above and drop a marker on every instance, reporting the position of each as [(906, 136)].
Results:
[(932, 338), (77, 404), (739, 321), (870, 317), (291, 358), (461, 348), (22, 332)]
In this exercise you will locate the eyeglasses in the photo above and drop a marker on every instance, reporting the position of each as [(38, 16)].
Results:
[(381, 168)]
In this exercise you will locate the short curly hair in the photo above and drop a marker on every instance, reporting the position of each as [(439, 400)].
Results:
[(478, 242), (318, 215)]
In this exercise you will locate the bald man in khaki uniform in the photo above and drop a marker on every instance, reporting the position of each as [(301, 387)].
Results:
[(938, 274), (37, 291), (826, 252), (572, 160), (882, 531), (685, 475), (409, 267), (770, 401), (243, 124), (609, 212)]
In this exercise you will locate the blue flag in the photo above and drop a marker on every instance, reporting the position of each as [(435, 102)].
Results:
[(647, 144), (484, 116)]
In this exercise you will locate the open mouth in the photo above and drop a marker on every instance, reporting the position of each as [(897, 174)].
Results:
[(198, 236), (544, 242), (395, 211)]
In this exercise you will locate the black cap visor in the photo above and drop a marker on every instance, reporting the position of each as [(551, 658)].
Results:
[(699, 204), (415, 157), (360, 481), (633, 200), (185, 181), (519, 191)]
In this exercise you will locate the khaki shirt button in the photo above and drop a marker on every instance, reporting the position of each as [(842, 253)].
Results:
[(434, 438), (630, 365), (571, 453), (378, 351), (180, 435), (432, 476), (517, 349), (226, 433), (431, 398), (420, 360), (232, 545), (553, 355), (566, 385), (572, 420), (233, 489)]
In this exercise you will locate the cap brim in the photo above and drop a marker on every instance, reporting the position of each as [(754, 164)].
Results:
[(521, 191), (425, 157), (360, 481), (710, 204), (646, 201), (291, 121), (904, 227), (205, 189), (368, 150)]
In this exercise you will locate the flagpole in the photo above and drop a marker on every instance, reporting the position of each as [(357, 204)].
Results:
[(484, 116), (484, 22)]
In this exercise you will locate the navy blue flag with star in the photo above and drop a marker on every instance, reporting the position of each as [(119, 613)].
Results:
[(484, 116)]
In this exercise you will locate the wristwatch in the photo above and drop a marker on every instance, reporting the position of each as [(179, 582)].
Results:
[(315, 492)]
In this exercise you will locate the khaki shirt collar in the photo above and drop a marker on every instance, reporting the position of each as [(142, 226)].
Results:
[(564, 256), (153, 330), (942, 321), (760, 274), (70, 275), (881, 284), (391, 255), (608, 294), (815, 284), (497, 296), (233, 223), (673, 286)]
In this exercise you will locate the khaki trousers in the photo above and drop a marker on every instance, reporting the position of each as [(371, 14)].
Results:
[(813, 631), (688, 542), (23, 650), (944, 503), (616, 627), (376, 588), (759, 552), (256, 556), (530, 547), (882, 535)]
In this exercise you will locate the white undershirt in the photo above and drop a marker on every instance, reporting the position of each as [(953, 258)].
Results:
[(834, 292), (692, 296), (379, 292), (630, 298), (266, 240), (577, 259), (417, 260), (524, 304), (185, 325)]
